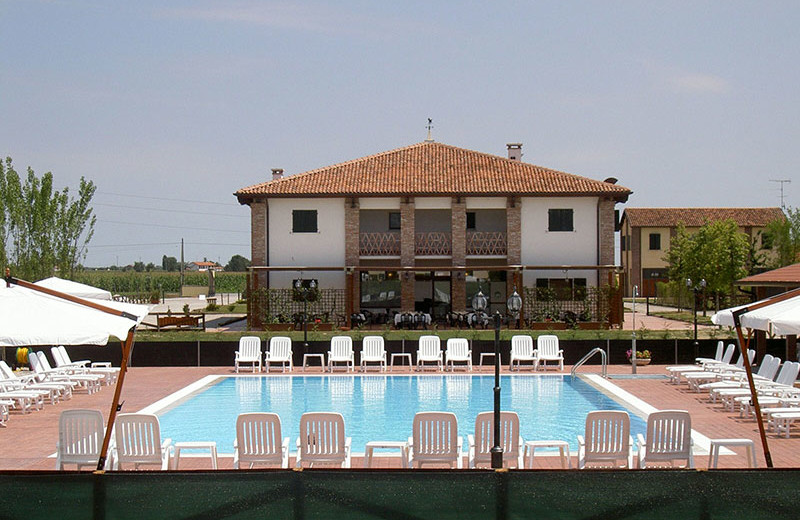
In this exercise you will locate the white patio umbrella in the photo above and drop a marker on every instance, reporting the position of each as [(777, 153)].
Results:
[(80, 290), (36, 315), (779, 317)]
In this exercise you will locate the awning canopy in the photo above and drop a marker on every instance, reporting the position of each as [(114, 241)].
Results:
[(28, 317)]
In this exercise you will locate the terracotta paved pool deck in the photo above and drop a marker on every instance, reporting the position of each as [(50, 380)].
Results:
[(28, 441)]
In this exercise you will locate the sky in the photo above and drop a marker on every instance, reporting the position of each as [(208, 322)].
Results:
[(170, 107)]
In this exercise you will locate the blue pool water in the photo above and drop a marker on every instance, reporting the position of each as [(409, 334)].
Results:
[(383, 407)]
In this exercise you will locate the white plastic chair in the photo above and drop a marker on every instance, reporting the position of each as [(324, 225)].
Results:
[(280, 351), (435, 440), (63, 362), (90, 382), (341, 352), (249, 353), (259, 441), (373, 351), (429, 351), (80, 437), (138, 441), (458, 351), (481, 444), (608, 440), (669, 440), (55, 391), (521, 350), (547, 350), (322, 440)]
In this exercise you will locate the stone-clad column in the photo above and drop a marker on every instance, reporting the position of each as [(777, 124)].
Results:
[(458, 234), (352, 255), (605, 237), (408, 250), (259, 232), (514, 244)]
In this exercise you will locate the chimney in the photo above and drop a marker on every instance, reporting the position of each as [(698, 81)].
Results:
[(277, 174), (514, 151)]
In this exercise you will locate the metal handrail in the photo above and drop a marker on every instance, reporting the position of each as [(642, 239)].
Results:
[(585, 358)]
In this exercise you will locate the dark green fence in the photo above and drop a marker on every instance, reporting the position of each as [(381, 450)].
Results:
[(389, 494)]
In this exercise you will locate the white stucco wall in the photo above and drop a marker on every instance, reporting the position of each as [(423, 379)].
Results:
[(543, 247), (323, 248)]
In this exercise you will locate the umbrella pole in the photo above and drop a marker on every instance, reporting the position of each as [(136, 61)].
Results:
[(112, 415), (753, 393)]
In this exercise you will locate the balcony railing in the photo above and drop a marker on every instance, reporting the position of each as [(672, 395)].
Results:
[(486, 243), (379, 244), (433, 244)]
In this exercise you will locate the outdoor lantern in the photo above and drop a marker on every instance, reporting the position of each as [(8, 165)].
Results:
[(312, 284), (298, 284), (479, 301), (514, 302)]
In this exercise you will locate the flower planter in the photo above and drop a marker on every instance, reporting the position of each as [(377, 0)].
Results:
[(548, 325), (279, 326), (591, 325), (641, 362)]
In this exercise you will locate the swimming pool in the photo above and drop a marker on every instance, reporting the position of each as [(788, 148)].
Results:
[(382, 407)]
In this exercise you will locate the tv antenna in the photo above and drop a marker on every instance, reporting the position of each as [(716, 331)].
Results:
[(780, 181), (429, 126)]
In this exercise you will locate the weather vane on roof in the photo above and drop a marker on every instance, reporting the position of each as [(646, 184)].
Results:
[(429, 126)]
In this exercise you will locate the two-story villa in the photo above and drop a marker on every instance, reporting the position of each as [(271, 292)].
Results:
[(422, 227)]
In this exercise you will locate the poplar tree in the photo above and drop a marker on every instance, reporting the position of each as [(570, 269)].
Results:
[(42, 230)]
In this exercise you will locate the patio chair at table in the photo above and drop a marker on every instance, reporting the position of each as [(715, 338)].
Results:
[(669, 440), (435, 440), (259, 441), (429, 350), (608, 440), (458, 351), (341, 352), (322, 440), (373, 350), (80, 437), (547, 350), (138, 441), (249, 353), (280, 351), (482, 442), (521, 350)]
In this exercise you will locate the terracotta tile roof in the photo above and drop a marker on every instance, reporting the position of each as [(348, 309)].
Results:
[(696, 217), (783, 275), (431, 168)]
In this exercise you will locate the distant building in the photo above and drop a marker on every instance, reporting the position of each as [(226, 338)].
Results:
[(646, 233), (772, 282), (203, 266), (422, 227)]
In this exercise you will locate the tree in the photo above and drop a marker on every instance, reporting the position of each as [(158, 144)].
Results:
[(42, 230), (138, 267), (237, 263), (783, 237), (717, 252), (169, 263)]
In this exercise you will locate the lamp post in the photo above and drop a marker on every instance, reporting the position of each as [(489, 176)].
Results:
[(696, 288), (514, 305), (479, 304), (304, 293)]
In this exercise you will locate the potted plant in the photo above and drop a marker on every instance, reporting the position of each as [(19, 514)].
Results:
[(642, 357)]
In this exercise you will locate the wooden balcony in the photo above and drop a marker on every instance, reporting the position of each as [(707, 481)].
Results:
[(379, 244), (433, 244), (486, 243)]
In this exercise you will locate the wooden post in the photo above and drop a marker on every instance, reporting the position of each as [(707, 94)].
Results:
[(127, 346)]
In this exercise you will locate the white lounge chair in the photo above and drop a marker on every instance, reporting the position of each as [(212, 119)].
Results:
[(322, 440), (676, 371), (38, 360), (458, 351), (608, 440), (769, 392), (80, 437), (669, 440), (63, 363), (259, 441), (429, 350), (521, 351), (435, 440), (715, 372), (54, 391), (102, 366), (547, 350), (249, 353), (341, 352), (373, 351), (138, 441), (280, 351), (738, 379), (510, 440)]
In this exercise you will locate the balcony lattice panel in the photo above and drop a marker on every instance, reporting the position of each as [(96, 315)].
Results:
[(486, 243), (379, 244), (433, 244)]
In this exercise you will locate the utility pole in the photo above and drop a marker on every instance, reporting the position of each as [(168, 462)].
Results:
[(181, 290)]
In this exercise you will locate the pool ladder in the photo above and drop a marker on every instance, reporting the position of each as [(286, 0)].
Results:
[(585, 358)]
